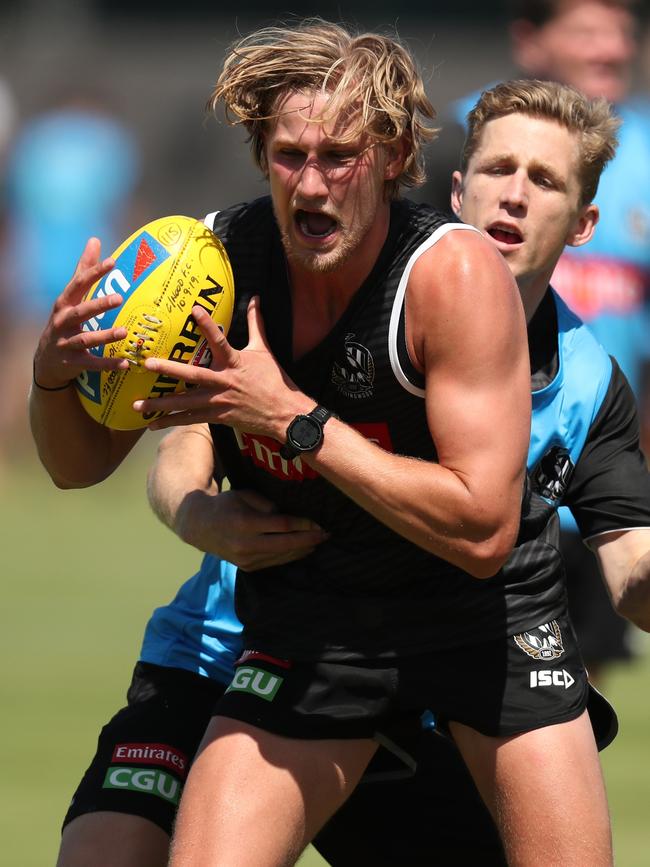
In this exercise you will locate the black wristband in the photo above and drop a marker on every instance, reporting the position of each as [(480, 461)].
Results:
[(47, 387)]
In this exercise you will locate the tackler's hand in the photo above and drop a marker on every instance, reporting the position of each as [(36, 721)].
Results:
[(246, 529)]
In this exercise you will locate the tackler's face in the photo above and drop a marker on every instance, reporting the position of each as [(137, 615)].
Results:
[(327, 191), (522, 189)]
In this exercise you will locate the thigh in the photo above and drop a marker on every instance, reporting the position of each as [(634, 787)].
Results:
[(136, 776), (105, 839), (545, 790), (257, 798), (517, 709)]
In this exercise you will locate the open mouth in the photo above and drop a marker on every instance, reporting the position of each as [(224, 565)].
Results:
[(505, 236), (315, 224)]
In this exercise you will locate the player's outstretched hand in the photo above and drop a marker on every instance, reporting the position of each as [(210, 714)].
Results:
[(244, 388), (63, 348)]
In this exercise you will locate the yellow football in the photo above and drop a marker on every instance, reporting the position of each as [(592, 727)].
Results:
[(161, 272)]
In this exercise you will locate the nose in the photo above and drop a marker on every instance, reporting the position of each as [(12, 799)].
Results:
[(312, 183), (515, 191)]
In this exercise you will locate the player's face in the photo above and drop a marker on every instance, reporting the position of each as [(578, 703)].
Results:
[(328, 195), (589, 44), (522, 189)]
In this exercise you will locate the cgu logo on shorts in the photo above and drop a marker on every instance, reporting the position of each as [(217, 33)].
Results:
[(255, 681), (551, 678), (146, 780)]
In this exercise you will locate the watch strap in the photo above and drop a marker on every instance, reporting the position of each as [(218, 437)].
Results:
[(321, 414)]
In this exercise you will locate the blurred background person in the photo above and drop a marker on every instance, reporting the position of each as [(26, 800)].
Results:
[(593, 46), (71, 172)]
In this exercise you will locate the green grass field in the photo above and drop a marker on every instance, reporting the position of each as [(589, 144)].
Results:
[(81, 572)]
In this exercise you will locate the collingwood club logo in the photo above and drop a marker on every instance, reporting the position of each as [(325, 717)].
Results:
[(553, 474), (355, 376), (543, 642)]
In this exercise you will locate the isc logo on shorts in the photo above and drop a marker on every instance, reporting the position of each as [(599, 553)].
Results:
[(144, 780), (255, 681), (551, 678)]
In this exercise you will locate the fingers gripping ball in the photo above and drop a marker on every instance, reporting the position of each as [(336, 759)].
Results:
[(161, 272)]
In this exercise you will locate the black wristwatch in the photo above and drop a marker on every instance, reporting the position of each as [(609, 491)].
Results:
[(305, 433)]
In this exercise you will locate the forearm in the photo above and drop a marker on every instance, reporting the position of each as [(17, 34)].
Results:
[(633, 600), (432, 506), (624, 560), (240, 526), (75, 450), (181, 487)]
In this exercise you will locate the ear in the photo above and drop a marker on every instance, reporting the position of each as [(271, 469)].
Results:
[(583, 226), (456, 193), (395, 158)]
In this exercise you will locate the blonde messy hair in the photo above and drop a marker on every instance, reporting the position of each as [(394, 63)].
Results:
[(372, 78), (591, 120)]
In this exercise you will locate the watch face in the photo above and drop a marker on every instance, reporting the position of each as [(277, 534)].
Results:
[(305, 433)]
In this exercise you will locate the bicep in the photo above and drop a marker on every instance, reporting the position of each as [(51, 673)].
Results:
[(471, 334)]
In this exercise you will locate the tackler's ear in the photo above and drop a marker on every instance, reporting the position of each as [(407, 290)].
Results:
[(457, 193), (583, 226)]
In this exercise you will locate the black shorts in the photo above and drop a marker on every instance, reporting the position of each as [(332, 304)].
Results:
[(602, 634), (392, 817), (499, 688), (144, 752)]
